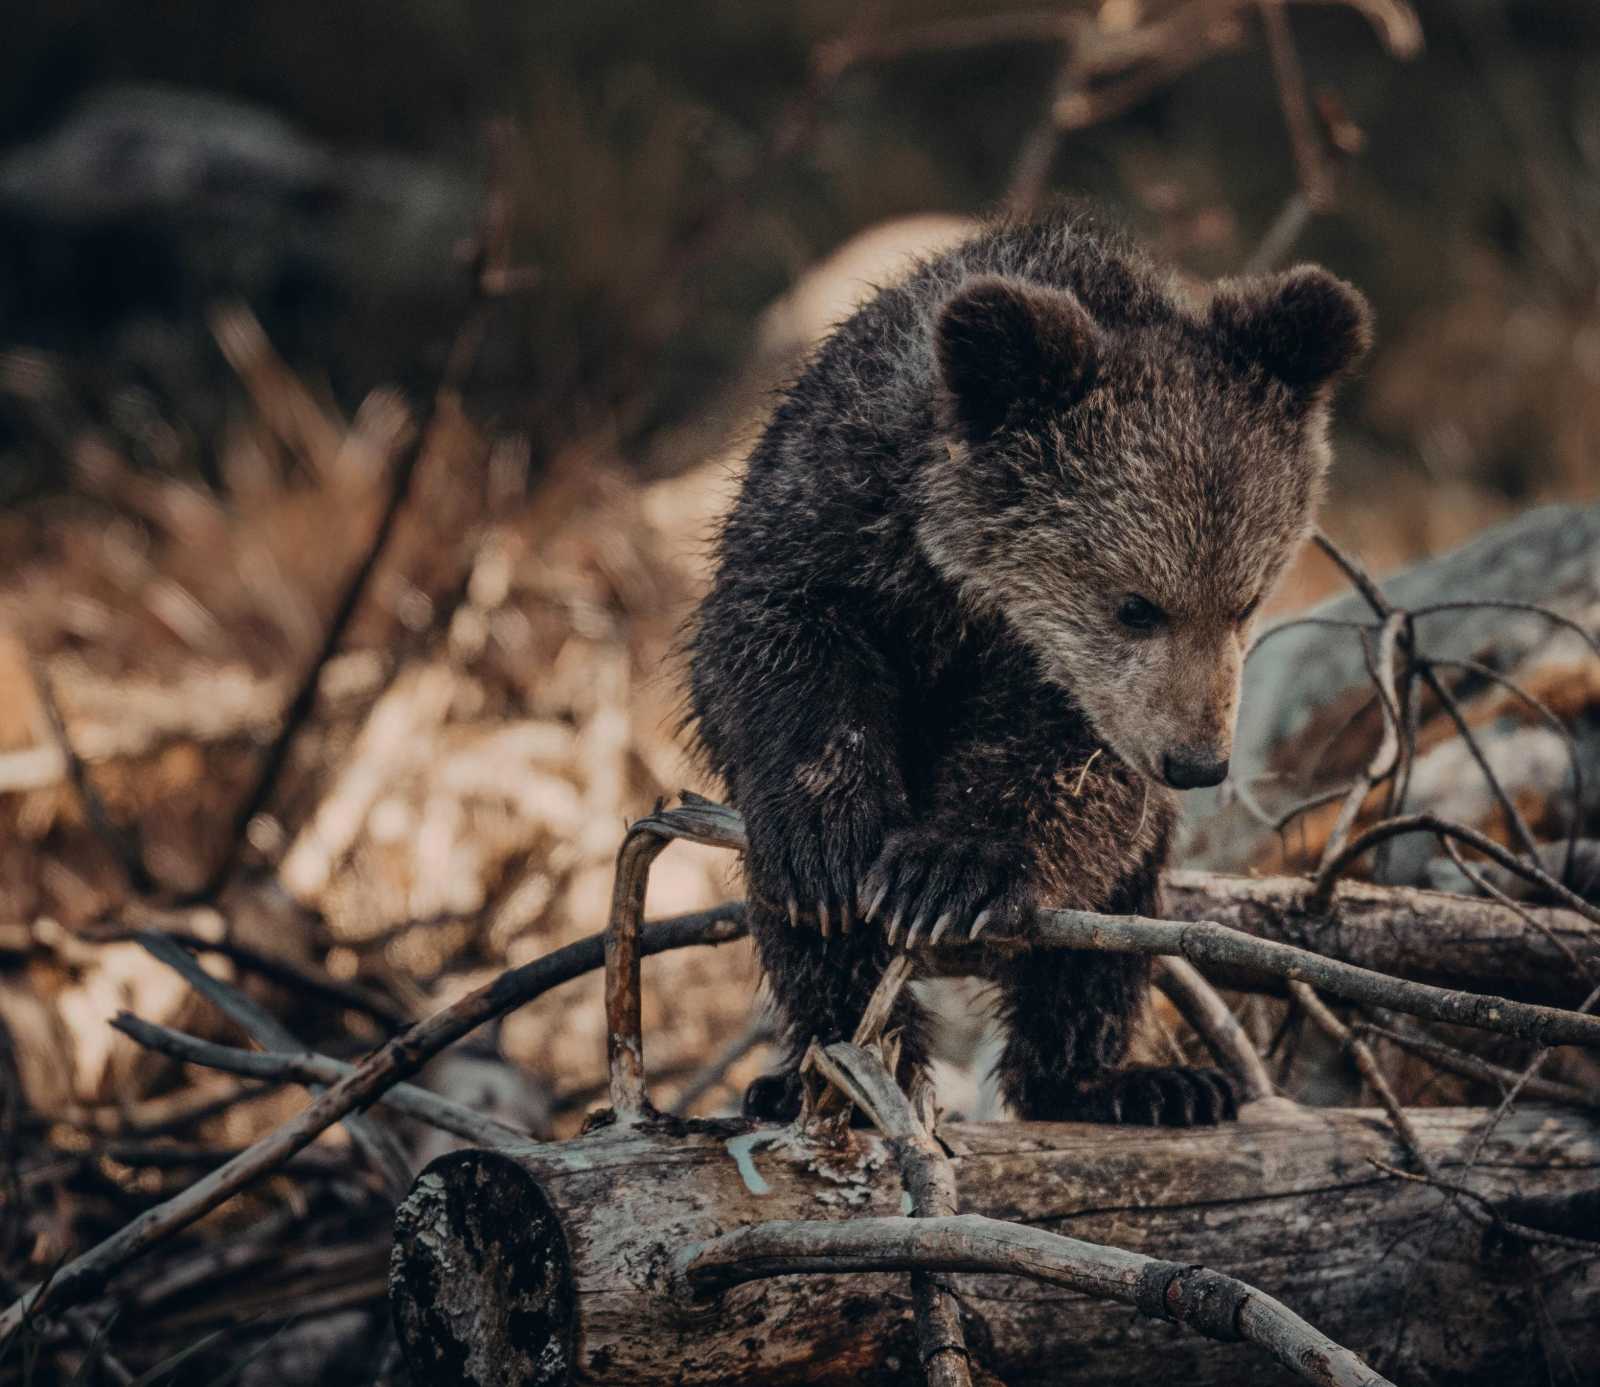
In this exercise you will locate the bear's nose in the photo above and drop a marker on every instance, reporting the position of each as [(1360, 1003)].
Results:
[(1184, 771)]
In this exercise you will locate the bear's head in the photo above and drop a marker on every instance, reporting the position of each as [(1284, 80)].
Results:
[(1125, 494)]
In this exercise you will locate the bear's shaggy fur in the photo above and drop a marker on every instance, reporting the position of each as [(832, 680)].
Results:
[(982, 599)]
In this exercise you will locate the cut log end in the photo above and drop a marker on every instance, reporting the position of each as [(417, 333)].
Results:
[(505, 1313)]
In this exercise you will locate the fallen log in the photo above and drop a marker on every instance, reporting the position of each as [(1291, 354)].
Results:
[(564, 1263)]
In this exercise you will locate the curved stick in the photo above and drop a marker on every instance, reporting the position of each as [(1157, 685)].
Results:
[(930, 1184), (308, 1067), (699, 821), (1215, 1305)]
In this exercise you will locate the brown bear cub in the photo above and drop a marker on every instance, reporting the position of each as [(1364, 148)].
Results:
[(981, 606)]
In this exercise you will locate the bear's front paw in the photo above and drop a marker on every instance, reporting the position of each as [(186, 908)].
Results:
[(806, 858), (1175, 1097), (929, 882)]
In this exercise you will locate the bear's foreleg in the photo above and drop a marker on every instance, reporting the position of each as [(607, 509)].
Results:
[(820, 987), (799, 712)]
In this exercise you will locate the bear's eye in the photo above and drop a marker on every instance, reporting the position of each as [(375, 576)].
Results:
[(1140, 613), (1248, 611)]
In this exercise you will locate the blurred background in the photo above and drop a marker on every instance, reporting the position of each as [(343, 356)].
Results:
[(489, 299)]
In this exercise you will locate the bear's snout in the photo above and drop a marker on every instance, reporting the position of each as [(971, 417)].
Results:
[(1187, 770)]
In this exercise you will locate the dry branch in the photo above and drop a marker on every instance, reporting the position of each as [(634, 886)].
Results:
[(1200, 942), (138, 919), (704, 822), (378, 1147), (307, 1067), (1220, 1307), (1428, 936), (1468, 1066), (525, 1265), (930, 1184), (1523, 591), (1204, 942), (1214, 1022), (1366, 1062)]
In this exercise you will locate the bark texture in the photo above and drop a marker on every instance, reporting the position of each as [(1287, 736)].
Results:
[(553, 1264)]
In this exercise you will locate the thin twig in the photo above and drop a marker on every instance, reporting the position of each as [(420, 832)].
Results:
[(492, 250), (1538, 707), (1488, 888), (165, 1116), (1386, 758), (1518, 825), (123, 843), (1498, 605), (308, 1067), (298, 713), (1292, 219), (1332, 623), (1362, 581), (1214, 1022), (1515, 1091), (1030, 170), (1469, 1066), (1432, 823), (1383, 608), (297, 979), (1310, 165), (930, 1183), (1486, 1213), (1365, 1061), (1395, 22), (378, 1146)]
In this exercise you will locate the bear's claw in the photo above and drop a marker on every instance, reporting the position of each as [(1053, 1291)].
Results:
[(943, 885), (1162, 1097)]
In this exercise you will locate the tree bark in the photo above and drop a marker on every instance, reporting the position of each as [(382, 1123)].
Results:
[(549, 1265)]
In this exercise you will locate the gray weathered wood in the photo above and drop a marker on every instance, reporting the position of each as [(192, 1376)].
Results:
[(1427, 936), (1308, 677), (552, 1264)]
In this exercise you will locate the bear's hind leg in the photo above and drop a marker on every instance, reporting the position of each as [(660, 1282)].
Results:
[(1069, 1018), (821, 987)]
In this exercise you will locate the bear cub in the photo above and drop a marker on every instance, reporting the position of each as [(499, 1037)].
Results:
[(981, 606)]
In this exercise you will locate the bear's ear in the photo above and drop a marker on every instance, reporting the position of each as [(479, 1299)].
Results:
[(1304, 326), (1002, 343)]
